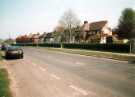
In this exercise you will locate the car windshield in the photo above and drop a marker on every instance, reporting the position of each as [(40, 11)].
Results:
[(10, 48)]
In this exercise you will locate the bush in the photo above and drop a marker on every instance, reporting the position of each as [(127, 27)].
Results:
[(125, 48), (1, 56), (109, 39), (56, 45)]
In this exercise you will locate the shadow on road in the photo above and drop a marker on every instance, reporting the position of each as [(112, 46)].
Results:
[(11, 58)]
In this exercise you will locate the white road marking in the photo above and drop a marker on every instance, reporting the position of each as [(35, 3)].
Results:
[(83, 92), (34, 64), (79, 63), (55, 76), (41, 68), (48, 56)]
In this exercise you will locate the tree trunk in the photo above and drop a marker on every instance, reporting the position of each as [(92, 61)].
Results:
[(70, 33)]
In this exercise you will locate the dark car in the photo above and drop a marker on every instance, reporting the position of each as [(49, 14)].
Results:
[(14, 52), (4, 46)]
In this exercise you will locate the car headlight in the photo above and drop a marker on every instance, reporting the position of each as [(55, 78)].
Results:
[(14, 52)]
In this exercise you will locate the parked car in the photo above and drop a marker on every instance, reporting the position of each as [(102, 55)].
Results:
[(13, 52), (4, 46)]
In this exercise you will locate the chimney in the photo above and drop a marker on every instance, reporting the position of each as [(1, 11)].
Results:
[(86, 26), (85, 22)]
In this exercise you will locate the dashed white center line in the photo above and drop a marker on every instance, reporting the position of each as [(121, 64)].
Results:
[(34, 64), (83, 92), (79, 63), (55, 76), (41, 68)]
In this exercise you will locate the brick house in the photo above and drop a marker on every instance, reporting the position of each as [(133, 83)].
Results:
[(96, 32)]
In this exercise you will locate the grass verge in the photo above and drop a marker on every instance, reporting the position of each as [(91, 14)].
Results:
[(1, 54), (4, 84), (110, 55)]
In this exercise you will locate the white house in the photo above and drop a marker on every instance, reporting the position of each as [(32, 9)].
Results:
[(97, 31)]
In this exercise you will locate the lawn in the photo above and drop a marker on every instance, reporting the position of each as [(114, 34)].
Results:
[(4, 84), (0, 55), (110, 55)]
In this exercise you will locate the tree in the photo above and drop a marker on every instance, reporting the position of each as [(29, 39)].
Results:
[(126, 26), (1, 41), (58, 33), (69, 20)]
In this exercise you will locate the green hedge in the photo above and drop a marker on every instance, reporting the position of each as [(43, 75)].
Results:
[(124, 48), (56, 45), (1, 55)]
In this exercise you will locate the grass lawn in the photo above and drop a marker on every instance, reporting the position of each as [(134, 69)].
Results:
[(4, 84), (110, 55), (4, 80), (1, 55)]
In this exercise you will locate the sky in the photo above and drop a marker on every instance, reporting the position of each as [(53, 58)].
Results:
[(18, 17)]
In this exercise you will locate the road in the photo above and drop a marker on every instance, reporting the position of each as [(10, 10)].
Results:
[(44, 73)]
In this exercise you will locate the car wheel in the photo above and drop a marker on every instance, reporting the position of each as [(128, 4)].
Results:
[(21, 56), (6, 57)]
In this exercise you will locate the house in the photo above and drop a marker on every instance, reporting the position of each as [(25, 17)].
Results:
[(42, 37), (23, 39), (96, 32), (34, 37), (49, 38)]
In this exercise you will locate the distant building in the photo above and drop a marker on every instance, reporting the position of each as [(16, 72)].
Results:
[(96, 31), (35, 38), (49, 38), (42, 37)]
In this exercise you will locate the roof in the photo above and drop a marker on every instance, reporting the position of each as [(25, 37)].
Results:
[(85, 26), (97, 25), (43, 35), (49, 35)]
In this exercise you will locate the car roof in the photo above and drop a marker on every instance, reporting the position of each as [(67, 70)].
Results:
[(13, 48)]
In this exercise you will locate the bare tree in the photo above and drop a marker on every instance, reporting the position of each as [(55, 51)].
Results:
[(69, 20)]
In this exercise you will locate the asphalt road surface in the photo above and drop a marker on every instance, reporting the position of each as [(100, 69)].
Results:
[(44, 73)]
